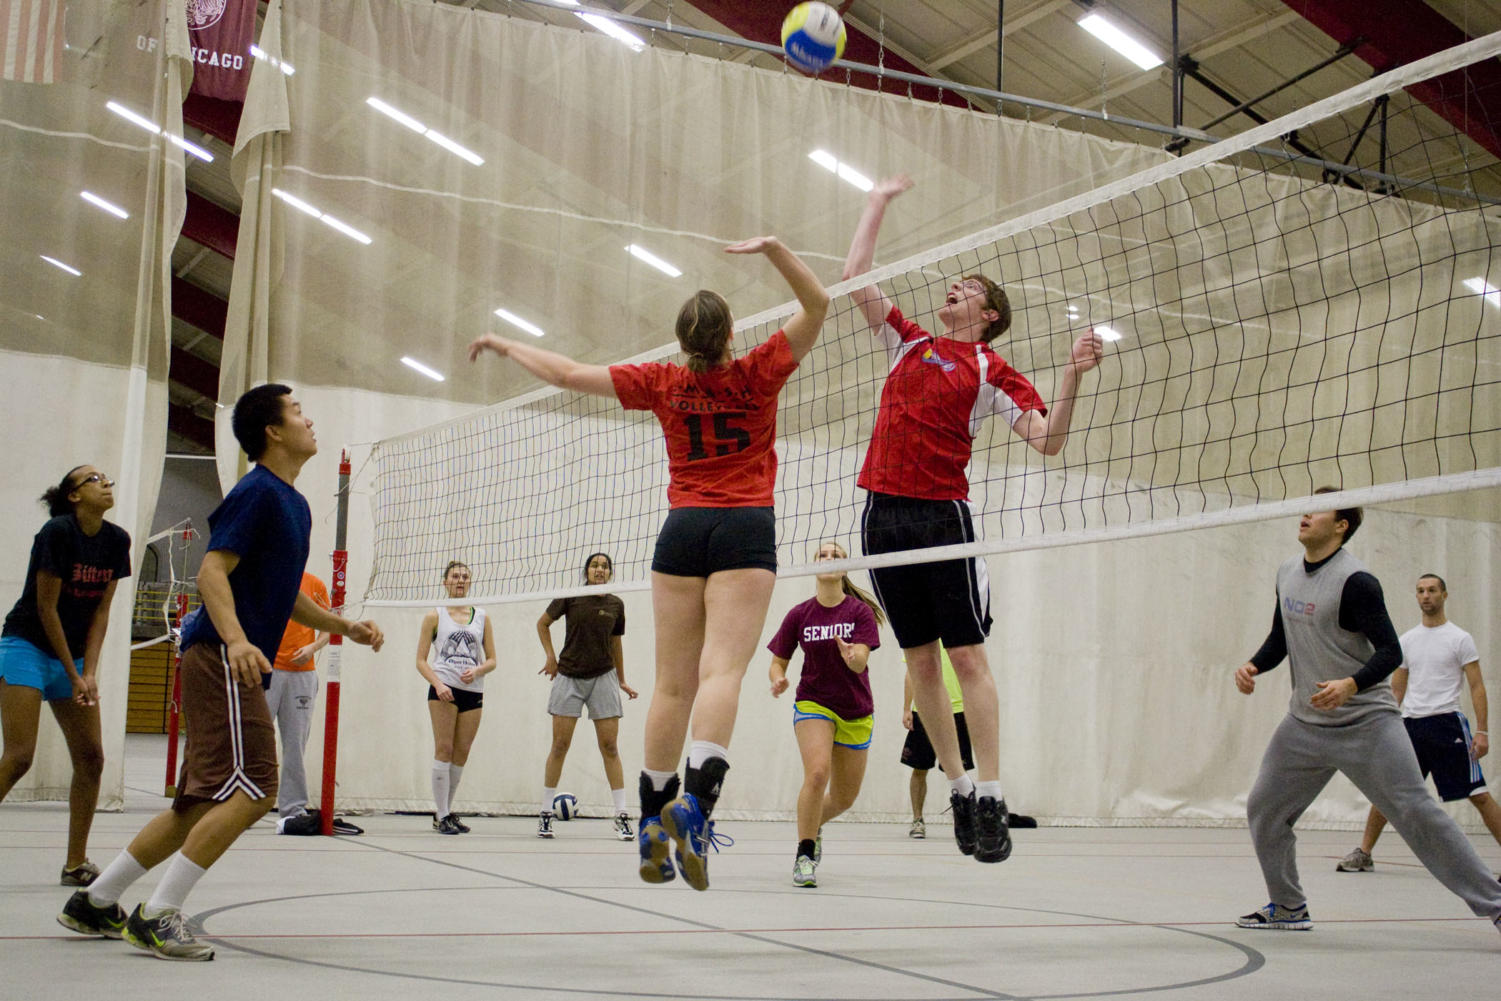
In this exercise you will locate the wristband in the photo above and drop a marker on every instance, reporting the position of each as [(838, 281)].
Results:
[(1482, 733)]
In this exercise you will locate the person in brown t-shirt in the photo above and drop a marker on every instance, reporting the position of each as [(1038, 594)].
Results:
[(589, 672)]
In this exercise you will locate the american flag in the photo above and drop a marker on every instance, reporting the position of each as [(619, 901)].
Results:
[(31, 40)]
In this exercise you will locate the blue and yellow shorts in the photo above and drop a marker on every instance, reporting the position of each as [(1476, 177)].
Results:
[(851, 733)]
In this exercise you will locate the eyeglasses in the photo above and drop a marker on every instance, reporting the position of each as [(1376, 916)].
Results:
[(99, 478), (972, 286)]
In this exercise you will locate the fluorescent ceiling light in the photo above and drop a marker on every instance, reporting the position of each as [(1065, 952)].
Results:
[(405, 119), (615, 31), (59, 264), (1099, 27), (260, 53), (642, 254), (155, 129), (319, 214), (516, 321), (1482, 287), (846, 173), (107, 206), (1108, 333), (413, 363)]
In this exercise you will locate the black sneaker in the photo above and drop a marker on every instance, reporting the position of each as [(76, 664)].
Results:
[(964, 821), (304, 824), (165, 935), (993, 843), (448, 826), (342, 826), (463, 827), (87, 918)]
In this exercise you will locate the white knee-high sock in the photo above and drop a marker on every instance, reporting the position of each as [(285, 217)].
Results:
[(440, 788), (455, 772), (178, 881)]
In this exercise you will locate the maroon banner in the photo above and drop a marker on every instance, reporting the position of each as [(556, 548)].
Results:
[(221, 32)]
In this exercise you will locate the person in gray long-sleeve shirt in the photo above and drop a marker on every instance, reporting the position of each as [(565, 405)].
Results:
[(1331, 625)]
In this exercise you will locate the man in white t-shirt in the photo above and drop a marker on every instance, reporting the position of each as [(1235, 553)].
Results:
[(1437, 658)]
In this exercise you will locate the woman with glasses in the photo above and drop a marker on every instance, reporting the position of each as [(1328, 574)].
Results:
[(49, 646)]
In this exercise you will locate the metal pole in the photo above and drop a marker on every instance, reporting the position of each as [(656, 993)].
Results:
[(335, 657), (1177, 74), (1000, 44)]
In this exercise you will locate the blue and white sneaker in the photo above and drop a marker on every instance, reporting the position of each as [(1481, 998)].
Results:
[(1275, 917), (656, 865), (686, 824)]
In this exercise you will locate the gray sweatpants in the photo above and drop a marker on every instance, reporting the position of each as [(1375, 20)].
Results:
[(291, 698), (1376, 754)]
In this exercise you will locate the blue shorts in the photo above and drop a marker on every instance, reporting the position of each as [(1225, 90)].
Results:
[(1442, 744), (23, 663)]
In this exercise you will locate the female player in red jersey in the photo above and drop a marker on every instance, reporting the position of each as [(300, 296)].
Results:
[(937, 392), (715, 559)]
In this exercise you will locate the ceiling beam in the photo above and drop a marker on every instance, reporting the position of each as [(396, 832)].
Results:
[(987, 40), (1398, 32), (201, 376), (199, 308), (182, 420), (214, 227)]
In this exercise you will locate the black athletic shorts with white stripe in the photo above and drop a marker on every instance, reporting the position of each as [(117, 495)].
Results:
[(949, 600), (1442, 744)]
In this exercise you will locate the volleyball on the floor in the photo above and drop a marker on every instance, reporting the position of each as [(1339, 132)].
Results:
[(565, 806), (813, 36)]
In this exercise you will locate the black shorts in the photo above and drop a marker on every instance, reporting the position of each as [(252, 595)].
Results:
[(1442, 744), (463, 700), (948, 600), (699, 541), (918, 751)]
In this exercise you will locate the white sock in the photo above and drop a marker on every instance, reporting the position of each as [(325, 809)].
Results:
[(178, 881), (990, 789), (963, 785), (455, 772), (115, 880), (703, 750), (440, 788), (547, 797), (618, 795), (659, 780)]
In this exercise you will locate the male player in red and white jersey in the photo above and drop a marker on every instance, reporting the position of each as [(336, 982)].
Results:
[(938, 392)]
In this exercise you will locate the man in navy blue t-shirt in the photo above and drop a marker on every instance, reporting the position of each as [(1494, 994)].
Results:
[(249, 583)]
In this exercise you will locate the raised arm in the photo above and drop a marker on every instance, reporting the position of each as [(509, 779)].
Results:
[(549, 366), (872, 302), (1047, 434), (802, 330)]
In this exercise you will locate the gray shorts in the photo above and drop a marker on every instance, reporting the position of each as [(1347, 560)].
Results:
[(570, 696)]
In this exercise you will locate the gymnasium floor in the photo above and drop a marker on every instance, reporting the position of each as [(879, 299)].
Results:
[(1077, 913)]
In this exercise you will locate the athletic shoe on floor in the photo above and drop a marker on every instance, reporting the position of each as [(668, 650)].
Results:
[(448, 826), (166, 935), (80, 875), (1357, 861), (342, 826), (87, 918), (1275, 917), (993, 841), (964, 821), (305, 824), (802, 872), (918, 830), (463, 827), (544, 825), (1019, 820), (622, 827), (656, 851), (685, 823)]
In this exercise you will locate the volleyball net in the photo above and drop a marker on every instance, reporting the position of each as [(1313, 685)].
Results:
[(1315, 301)]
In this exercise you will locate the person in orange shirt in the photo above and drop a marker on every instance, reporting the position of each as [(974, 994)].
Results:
[(291, 693)]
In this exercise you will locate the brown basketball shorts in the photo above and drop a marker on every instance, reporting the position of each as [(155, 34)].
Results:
[(231, 737)]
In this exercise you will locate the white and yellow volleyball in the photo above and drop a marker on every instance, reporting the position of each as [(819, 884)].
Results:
[(813, 36)]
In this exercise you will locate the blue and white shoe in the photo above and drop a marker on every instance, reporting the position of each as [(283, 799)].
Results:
[(1275, 917), (656, 865), (686, 824)]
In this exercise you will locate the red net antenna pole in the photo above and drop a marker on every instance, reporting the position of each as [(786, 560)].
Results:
[(174, 707), (335, 651)]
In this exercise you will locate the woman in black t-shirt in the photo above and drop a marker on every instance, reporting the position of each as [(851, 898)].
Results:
[(589, 672), (50, 644)]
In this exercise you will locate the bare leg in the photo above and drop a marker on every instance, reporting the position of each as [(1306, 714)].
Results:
[(80, 726), (1375, 823), (607, 733), (678, 619), (219, 826), (165, 833), (1490, 812), (20, 713), (982, 710), (562, 739), (845, 779), (918, 788), (445, 717), (465, 726), (735, 603), (934, 707), (815, 741)]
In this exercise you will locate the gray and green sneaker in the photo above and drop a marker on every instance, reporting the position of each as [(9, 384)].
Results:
[(1358, 860), (165, 935), (803, 872), (82, 915)]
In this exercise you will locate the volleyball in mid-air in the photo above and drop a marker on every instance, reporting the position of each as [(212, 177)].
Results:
[(565, 806), (813, 36)]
